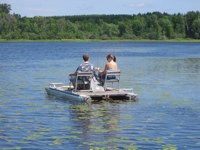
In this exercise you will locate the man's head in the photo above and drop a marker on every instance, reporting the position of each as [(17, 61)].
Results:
[(85, 57)]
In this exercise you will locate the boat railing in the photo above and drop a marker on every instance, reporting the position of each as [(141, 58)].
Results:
[(55, 85)]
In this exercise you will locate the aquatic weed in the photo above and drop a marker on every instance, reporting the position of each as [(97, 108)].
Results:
[(169, 147), (110, 142), (30, 104), (142, 139), (131, 147), (120, 140), (98, 129), (82, 117), (76, 132), (112, 121), (29, 121), (18, 113), (73, 137), (159, 103), (161, 114), (128, 117), (33, 136), (80, 107), (101, 130), (128, 125), (16, 128), (66, 127), (158, 140), (97, 114), (165, 96), (191, 137), (43, 129), (88, 143), (55, 142)]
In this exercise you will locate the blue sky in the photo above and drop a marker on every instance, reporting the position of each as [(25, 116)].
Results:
[(32, 8)]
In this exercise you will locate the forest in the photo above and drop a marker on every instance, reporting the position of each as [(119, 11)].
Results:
[(150, 26)]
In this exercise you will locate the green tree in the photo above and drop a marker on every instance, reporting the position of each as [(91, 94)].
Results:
[(167, 27), (196, 28), (153, 30), (138, 26), (71, 30), (8, 26), (61, 24), (178, 25), (108, 31), (125, 29), (51, 28), (5, 8), (89, 28), (189, 18), (154, 25)]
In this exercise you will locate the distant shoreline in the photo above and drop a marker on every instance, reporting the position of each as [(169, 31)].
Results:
[(97, 40)]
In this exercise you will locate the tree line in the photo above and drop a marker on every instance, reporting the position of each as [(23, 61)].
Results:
[(154, 26)]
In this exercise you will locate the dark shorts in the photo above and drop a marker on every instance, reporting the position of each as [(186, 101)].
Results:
[(108, 77)]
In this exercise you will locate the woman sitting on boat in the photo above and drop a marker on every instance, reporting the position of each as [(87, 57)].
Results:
[(111, 64)]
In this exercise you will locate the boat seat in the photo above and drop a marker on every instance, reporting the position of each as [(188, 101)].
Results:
[(83, 78), (111, 76)]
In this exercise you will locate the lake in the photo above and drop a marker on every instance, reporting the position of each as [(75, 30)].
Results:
[(166, 77)]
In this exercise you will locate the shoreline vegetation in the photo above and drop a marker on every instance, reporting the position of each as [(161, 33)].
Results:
[(97, 40), (149, 27)]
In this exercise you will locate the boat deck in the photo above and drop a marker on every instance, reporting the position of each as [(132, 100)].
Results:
[(108, 93)]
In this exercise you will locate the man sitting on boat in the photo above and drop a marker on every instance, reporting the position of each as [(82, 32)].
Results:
[(86, 66)]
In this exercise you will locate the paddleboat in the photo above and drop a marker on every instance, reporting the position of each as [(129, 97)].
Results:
[(89, 87)]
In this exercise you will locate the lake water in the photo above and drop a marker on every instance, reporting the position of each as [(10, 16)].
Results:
[(166, 77)]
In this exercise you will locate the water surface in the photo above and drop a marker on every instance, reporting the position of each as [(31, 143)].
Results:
[(164, 75)]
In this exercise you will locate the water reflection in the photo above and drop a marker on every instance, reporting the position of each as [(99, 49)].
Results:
[(98, 123)]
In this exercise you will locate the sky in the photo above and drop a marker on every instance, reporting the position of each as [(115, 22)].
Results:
[(31, 8)]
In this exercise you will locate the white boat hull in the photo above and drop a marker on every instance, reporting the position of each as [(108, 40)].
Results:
[(67, 94)]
